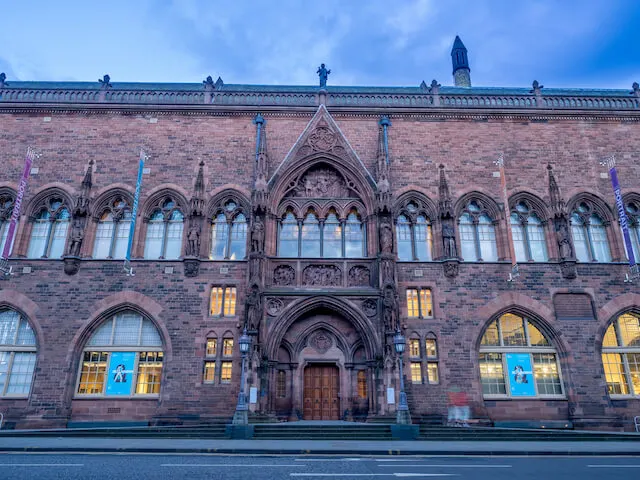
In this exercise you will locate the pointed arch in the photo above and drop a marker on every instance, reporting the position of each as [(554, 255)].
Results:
[(160, 193), (300, 344), (45, 193), (487, 204), (536, 204), (423, 205), (223, 196), (594, 201)]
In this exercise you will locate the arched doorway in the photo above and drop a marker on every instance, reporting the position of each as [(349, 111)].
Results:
[(322, 368)]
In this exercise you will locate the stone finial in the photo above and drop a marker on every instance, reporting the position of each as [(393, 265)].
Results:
[(557, 203), (445, 205), (197, 200), (435, 87), (635, 86), (219, 83), (105, 82), (3, 78), (537, 88), (423, 86), (208, 84), (87, 181)]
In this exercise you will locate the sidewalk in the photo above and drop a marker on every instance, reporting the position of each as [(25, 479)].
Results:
[(314, 447)]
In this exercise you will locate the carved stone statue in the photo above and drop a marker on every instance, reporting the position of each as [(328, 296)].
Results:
[(564, 243), (253, 309), (324, 74), (257, 236), (77, 234), (449, 241), (389, 310), (105, 82), (193, 240), (386, 237), (3, 78)]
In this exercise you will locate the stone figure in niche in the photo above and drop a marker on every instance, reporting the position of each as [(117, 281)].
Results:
[(564, 243), (389, 309), (386, 236), (77, 234), (193, 240), (449, 240), (323, 73), (387, 271), (284, 275), (257, 236), (254, 305)]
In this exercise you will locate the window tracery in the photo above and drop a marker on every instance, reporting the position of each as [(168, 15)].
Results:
[(49, 230)]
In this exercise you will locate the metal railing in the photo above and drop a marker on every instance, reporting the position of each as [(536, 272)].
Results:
[(636, 423)]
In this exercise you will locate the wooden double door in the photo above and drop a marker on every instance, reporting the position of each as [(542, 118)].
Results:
[(321, 392)]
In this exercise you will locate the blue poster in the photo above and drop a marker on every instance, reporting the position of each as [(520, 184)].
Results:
[(120, 373), (521, 381)]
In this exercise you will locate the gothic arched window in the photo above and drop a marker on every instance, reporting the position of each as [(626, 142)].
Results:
[(6, 209), (123, 357), (517, 360), (316, 237), (477, 234), (632, 207), (528, 234), (164, 231), (413, 234), (621, 355), (49, 231), (17, 354), (229, 233), (589, 234), (112, 234)]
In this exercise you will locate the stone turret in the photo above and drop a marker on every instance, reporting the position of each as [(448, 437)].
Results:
[(460, 61)]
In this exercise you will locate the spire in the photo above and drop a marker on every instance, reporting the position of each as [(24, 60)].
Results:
[(444, 201), (197, 200), (260, 189), (87, 181), (557, 203), (460, 62), (82, 201)]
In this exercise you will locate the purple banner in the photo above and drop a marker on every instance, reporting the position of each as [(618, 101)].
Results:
[(622, 215), (16, 206)]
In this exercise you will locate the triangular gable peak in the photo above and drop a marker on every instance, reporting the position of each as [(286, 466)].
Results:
[(322, 136)]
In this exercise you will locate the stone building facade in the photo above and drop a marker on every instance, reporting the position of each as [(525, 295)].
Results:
[(322, 220)]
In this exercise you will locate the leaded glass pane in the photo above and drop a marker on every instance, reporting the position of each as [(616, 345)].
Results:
[(5, 358), (580, 240), (59, 234), (39, 235), (424, 240), (216, 300), (155, 235), (227, 347), (431, 347), (225, 372), (310, 236), (536, 339), (412, 302), (614, 374), (21, 373), (600, 241), (219, 238), (519, 241), (467, 239), (104, 234), (102, 336), (629, 329), (545, 371), (173, 247), (127, 329), (9, 320), (416, 372), (149, 373), (512, 328), (426, 303), (230, 301), (354, 237), (487, 237), (403, 234), (432, 373), (633, 359), (414, 347), (491, 374), (289, 233), (92, 373), (150, 335), (332, 237), (238, 238), (25, 334), (537, 241), (122, 237), (209, 372), (491, 336), (4, 231), (610, 339)]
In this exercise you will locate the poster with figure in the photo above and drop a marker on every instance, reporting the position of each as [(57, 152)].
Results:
[(120, 373), (521, 381)]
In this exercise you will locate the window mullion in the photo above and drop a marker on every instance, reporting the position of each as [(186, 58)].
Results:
[(165, 232), (419, 302), (114, 234), (47, 245), (9, 367), (299, 238), (527, 241), (227, 248), (134, 381), (476, 236), (627, 374), (343, 248), (412, 229), (321, 227), (592, 251), (140, 332)]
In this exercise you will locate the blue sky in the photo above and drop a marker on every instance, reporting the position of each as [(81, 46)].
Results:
[(561, 43)]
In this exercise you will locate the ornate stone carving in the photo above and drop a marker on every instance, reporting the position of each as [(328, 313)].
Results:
[(390, 309), (253, 309), (77, 234), (257, 235), (387, 268), (284, 275), (450, 268), (321, 341), (370, 307), (193, 238), (274, 307), (321, 183), (359, 276), (386, 236), (322, 275), (71, 265), (322, 139), (562, 236), (191, 267), (568, 269), (449, 239)]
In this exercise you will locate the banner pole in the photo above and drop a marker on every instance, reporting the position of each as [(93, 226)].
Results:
[(503, 183), (134, 214)]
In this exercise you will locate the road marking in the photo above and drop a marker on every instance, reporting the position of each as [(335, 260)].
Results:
[(41, 464), (235, 465), (446, 466), (331, 459), (613, 466)]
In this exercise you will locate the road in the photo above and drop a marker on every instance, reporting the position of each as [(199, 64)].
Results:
[(239, 467)]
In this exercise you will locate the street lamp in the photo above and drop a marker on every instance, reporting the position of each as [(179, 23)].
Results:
[(402, 414), (240, 417)]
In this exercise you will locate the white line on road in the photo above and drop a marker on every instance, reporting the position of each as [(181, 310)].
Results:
[(373, 474), (613, 466), (235, 465), (447, 466), (41, 464)]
